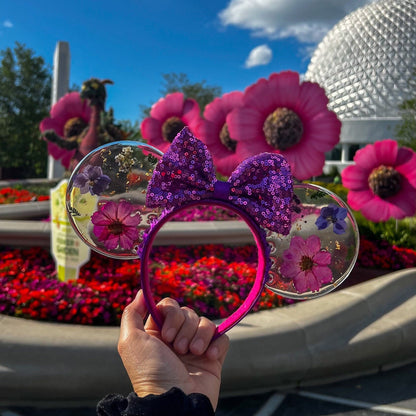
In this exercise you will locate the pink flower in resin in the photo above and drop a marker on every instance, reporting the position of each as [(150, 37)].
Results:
[(306, 264), (282, 115), (213, 131), (382, 182), (168, 117), (68, 118), (115, 225)]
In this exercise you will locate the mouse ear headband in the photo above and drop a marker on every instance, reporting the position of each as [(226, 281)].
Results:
[(134, 190)]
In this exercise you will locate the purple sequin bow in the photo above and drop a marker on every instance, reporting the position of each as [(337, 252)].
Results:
[(262, 185)]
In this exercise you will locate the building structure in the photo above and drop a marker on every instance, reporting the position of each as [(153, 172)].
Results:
[(365, 63)]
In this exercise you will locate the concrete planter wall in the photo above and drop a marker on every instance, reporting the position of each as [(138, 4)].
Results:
[(365, 328), (22, 233)]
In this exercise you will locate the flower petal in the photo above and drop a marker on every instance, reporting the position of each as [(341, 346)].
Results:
[(323, 274), (386, 152), (168, 106), (355, 177)]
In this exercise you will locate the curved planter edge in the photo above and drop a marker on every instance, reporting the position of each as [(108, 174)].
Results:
[(361, 329)]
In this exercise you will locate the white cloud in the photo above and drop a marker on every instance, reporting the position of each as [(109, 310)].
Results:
[(8, 24), (306, 20), (260, 55)]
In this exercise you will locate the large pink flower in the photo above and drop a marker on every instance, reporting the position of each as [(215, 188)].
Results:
[(168, 117), (68, 118), (382, 182), (306, 264), (213, 131), (115, 225), (282, 115)]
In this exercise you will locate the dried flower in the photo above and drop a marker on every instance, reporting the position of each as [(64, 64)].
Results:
[(306, 264), (115, 225), (332, 214), (92, 180)]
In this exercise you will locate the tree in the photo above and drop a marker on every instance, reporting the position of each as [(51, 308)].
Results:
[(199, 91), (406, 131), (25, 95)]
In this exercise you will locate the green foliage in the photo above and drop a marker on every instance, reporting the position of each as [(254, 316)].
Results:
[(131, 129), (401, 233), (202, 93), (25, 94), (336, 188), (199, 91), (406, 131)]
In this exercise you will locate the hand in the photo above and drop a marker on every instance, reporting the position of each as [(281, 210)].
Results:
[(180, 355)]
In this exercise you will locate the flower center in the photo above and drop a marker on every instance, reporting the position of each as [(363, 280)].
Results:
[(116, 228), (385, 181), (226, 140), (171, 127), (74, 127), (306, 263), (283, 129)]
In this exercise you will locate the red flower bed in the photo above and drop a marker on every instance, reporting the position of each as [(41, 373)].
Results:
[(13, 196), (383, 255), (214, 280)]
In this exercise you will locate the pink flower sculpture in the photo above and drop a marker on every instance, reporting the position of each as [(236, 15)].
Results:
[(382, 183), (306, 264), (168, 117), (115, 225), (68, 118), (213, 131), (282, 115)]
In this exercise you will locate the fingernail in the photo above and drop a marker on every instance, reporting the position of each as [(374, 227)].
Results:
[(170, 334), (213, 352), (198, 346), (182, 345)]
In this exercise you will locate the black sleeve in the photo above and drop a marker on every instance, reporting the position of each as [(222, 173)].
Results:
[(172, 403)]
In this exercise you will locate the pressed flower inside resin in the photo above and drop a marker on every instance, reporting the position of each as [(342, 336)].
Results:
[(106, 197), (115, 225), (306, 263), (321, 248), (92, 180), (332, 214)]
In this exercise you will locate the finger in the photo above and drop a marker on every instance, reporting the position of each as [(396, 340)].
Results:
[(187, 331), (202, 337), (218, 348), (133, 315), (173, 319)]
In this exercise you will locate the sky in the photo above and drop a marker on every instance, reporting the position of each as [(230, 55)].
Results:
[(230, 44)]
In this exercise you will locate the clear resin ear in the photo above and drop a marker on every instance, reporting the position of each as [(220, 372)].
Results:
[(321, 248), (106, 197)]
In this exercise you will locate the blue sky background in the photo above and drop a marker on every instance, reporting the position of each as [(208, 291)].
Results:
[(134, 42)]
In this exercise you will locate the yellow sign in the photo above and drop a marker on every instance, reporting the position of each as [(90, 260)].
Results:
[(69, 252)]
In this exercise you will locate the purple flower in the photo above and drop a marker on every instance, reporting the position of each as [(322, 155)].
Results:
[(306, 264), (115, 225), (92, 180), (335, 215)]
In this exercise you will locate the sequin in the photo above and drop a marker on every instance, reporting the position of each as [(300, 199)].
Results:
[(262, 185)]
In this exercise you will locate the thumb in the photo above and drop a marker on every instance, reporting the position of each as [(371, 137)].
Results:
[(133, 316)]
